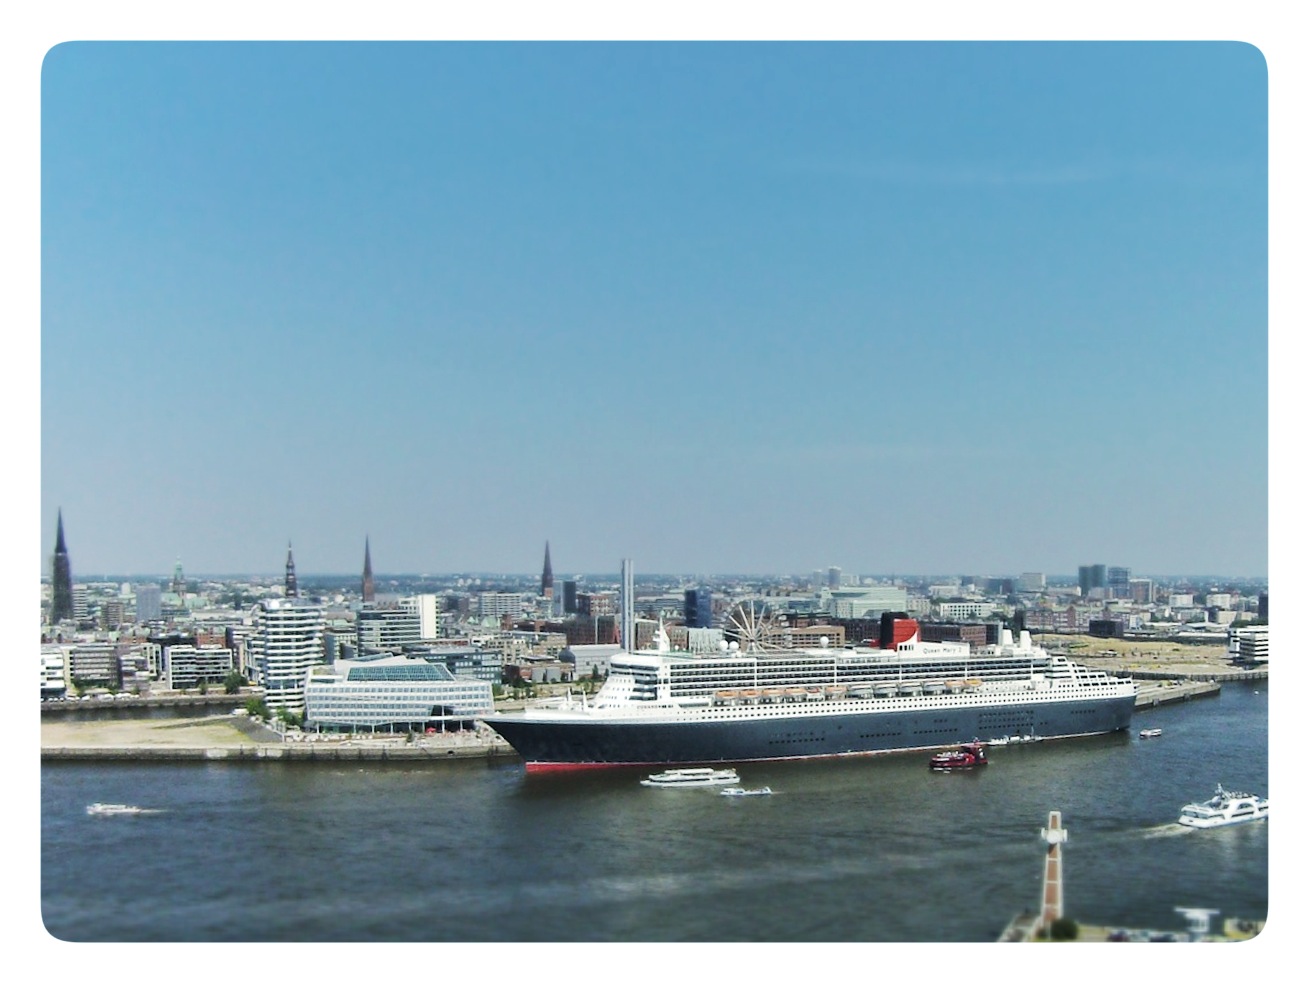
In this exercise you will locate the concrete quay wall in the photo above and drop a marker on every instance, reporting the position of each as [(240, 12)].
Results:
[(1157, 694), (276, 752)]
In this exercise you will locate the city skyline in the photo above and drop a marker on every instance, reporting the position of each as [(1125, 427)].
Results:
[(61, 555), (758, 307)]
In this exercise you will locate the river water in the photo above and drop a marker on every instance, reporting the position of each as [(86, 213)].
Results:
[(868, 850)]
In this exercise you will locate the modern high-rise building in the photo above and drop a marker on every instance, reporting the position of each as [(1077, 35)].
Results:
[(570, 597), (427, 608), (61, 602), (1091, 577), (292, 589), (1118, 581), (149, 603), (833, 577), (1141, 590), (547, 576), (386, 628), (1031, 583), (495, 604), (286, 639), (369, 591), (698, 608)]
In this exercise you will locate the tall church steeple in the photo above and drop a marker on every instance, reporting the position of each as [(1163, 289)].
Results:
[(61, 575), (370, 593), (547, 575), (291, 589)]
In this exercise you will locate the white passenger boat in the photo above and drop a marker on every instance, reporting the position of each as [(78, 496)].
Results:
[(692, 778), (1224, 809), (1152, 732), (765, 790), (112, 809)]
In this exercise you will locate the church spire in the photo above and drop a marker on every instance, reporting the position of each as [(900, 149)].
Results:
[(61, 603), (291, 589), (547, 575), (369, 591)]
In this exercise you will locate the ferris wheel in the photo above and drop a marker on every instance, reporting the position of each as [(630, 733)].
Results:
[(752, 626)]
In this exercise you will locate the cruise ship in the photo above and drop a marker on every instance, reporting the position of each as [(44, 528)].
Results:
[(660, 707)]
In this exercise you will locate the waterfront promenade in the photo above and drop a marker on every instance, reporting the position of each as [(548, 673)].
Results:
[(225, 737)]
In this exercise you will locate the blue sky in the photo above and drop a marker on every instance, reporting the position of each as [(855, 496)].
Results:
[(910, 308)]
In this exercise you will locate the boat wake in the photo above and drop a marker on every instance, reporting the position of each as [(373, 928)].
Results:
[(1166, 829)]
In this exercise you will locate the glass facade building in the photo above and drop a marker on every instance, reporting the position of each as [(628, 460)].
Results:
[(393, 693)]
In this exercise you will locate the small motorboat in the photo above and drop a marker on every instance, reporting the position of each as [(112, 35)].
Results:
[(1151, 732), (113, 809), (692, 778), (968, 755), (1224, 809), (765, 790)]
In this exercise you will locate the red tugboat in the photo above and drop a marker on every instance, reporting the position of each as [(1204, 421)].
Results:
[(968, 756)]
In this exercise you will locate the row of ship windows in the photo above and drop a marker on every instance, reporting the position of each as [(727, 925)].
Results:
[(836, 707)]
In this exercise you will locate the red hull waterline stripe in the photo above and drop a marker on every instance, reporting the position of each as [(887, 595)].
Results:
[(540, 767)]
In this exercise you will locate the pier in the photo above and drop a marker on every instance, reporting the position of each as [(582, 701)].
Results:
[(1155, 694), (1050, 924)]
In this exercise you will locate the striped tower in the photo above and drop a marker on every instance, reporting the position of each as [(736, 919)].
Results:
[(1052, 888)]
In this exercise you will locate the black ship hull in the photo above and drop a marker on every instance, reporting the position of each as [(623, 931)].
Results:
[(590, 741)]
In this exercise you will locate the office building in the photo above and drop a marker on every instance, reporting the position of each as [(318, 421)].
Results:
[(1090, 578), (428, 609), (94, 664), (187, 666), (1031, 583), (496, 604), (149, 603), (393, 693), (386, 628), (53, 682), (698, 608)]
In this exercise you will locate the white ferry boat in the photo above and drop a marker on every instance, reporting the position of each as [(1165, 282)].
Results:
[(1224, 809), (660, 707), (692, 778), (762, 790)]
